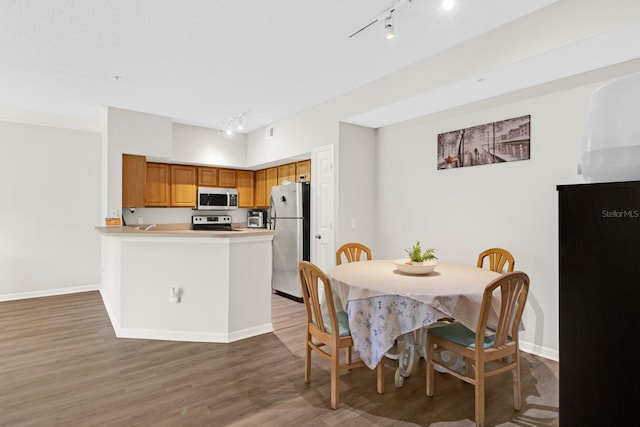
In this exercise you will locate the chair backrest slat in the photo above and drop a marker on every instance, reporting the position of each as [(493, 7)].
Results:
[(311, 278), (498, 258), (513, 290), (353, 252)]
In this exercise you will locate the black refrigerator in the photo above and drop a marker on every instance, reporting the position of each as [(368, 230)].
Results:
[(599, 237)]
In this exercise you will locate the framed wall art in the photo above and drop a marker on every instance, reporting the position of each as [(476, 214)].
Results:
[(504, 141)]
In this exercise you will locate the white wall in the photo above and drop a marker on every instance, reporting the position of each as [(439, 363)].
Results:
[(198, 145), (131, 132), (356, 173), (50, 186), (177, 215), (511, 205)]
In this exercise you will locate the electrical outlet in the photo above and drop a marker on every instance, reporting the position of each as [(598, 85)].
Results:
[(113, 213), (140, 220)]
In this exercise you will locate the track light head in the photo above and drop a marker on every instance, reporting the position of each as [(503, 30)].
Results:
[(388, 26), (448, 4), (234, 123)]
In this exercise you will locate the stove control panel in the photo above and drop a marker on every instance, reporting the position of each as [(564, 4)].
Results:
[(211, 219)]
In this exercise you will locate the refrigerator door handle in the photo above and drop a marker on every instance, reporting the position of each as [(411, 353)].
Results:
[(272, 208)]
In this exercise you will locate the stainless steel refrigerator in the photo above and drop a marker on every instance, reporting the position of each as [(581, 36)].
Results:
[(290, 217)]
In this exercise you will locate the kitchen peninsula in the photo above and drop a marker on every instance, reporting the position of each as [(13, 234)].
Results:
[(169, 282)]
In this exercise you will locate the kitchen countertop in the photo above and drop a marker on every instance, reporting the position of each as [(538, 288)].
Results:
[(181, 230)]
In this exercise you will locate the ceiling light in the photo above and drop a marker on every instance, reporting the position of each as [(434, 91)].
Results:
[(448, 4), (388, 26), (387, 15), (235, 122)]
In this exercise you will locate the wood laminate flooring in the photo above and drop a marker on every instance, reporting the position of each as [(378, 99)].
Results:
[(61, 365)]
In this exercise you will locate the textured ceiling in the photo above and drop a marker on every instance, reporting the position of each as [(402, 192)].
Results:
[(202, 62)]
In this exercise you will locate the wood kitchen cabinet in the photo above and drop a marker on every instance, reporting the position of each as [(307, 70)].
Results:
[(227, 178), (183, 186), (245, 181), (157, 192), (265, 179), (133, 180), (207, 177), (287, 172), (272, 179), (303, 168), (260, 188), (165, 185)]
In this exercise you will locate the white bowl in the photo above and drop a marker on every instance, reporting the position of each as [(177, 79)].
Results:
[(425, 267)]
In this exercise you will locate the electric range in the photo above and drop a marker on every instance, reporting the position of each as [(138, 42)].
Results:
[(211, 222)]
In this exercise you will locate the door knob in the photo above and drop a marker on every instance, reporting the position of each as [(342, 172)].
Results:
[(318, 236)]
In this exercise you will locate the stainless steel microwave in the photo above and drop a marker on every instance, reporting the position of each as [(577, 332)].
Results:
[(217, 199)]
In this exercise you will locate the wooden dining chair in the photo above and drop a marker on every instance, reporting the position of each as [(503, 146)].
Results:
[(326, 327), (491, 354), (352, 252), (497, 257)]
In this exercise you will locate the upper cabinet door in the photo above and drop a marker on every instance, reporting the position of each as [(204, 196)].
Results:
[(183, 186), (207, 177), (227, 178), (303, 168), (272, 180), (157, 185), (133, 180), (260, 194), (245, 188), (287, 173)]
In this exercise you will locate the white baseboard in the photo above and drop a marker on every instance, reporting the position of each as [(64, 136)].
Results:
[(167, 335), (537, 350), (48, 293), (211, 337), (250, 332)]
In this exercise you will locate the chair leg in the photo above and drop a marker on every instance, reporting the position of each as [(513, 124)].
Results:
[(307, 363), (380, 376), (517, 396), (335, 372), (479, 391)]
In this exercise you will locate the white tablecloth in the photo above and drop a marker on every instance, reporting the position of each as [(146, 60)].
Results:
[(383, 303)]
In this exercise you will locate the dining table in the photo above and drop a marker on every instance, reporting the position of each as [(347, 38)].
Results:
[(385, 305)]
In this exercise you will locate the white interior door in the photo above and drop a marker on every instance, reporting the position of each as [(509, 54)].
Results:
[(322, 217)]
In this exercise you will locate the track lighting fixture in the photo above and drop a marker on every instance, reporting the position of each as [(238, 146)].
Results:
[(388, 26), (237, 120), (387, 15)]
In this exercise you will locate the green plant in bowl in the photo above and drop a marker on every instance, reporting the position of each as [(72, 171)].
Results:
[(416, 254)]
